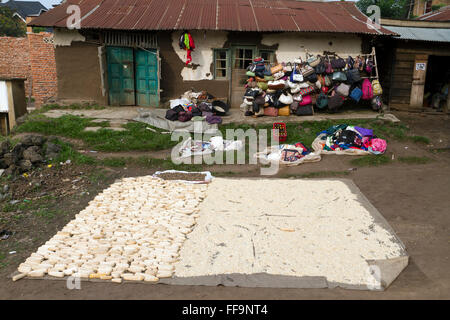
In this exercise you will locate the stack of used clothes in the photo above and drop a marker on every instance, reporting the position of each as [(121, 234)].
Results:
[(346, 139), (289, 155), (196, 106)]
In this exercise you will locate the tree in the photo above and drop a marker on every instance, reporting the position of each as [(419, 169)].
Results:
[(11, 26), (395, 9)]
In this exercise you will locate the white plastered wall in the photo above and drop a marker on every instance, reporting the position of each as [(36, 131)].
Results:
[(65, 37), (292, 45), (205, 42)]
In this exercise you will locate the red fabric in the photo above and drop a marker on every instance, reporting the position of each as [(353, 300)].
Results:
[(188, 58), (191, 42)]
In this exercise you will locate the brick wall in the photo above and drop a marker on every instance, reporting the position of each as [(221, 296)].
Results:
[(43, 67), (32, 58), (15, 59)]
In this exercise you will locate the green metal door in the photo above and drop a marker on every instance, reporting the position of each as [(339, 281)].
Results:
[(147, 78), (121, 76)]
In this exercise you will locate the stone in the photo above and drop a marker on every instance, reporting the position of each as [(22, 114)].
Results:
[(52, 150), (17, 151), (27, 140), (5, 146), (38, 140), (33, 154), (9, 159), (25, 165)]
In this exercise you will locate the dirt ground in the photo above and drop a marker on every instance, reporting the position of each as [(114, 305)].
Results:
[(414, 199)]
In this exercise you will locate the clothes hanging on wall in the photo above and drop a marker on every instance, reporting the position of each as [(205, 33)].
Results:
[(187, 43)]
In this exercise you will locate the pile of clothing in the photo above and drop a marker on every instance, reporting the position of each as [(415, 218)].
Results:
[(320, 81), (288, 154), (197, 147), (345, 139), (197, 106)]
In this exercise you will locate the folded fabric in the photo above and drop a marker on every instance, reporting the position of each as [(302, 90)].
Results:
[(378, 146), (364, 131)]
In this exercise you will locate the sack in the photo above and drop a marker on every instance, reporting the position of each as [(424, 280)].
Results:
[(369, 65), (284, 111), (312, 60), (305, 100), (328, 67), (322, 101), (376, 87), (327, 81), (343, 89), (278, 75), (312, 77), (295, 75), (294, 105), (321, 67), (271, 112), (263, 86), (250, 74), (359, 63), (367, 90), (376, 103), (349, 63), (307, 110), (339, 76), (277, 68), (356, 94), (269, 78), (353, 75), (306, 70), (297, 97), (335, 102), (305, 91), (338, 63), (171, 115), (184, 116), (285, 98), (275, 85)]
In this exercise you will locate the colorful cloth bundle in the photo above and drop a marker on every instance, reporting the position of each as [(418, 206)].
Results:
[(187, 43)]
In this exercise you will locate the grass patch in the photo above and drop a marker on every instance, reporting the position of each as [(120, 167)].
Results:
[(371, 160), (419, 139), (415, 160), (45, 213), (55, 106), (136, 137), (68, 153), (318, 174)]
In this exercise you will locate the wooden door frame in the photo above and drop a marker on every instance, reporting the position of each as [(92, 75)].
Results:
[(232, 49)]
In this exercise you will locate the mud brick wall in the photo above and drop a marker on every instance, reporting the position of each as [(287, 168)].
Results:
[(32, 58), (43, 67), (15, 59)]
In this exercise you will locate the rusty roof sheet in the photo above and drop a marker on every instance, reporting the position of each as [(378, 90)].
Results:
[(228, 15), (443, 14)]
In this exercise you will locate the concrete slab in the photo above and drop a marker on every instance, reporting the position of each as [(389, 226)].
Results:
[(95, 129)]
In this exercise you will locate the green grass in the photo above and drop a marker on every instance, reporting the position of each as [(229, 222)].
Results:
[(46, 213), (54, 106), (136, 137), (419, 139), (371, 160), (414, 160)]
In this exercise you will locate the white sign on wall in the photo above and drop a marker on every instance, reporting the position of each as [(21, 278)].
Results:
[(421, 66), (3, 97)]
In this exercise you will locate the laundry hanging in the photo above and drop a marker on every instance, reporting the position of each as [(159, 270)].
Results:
[(187, 43)]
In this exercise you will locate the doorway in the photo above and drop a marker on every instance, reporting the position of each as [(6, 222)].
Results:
[(436, 82), (241, 58), (133, 76)]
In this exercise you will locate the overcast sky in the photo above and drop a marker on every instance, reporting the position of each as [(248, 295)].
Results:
[(49, 3)]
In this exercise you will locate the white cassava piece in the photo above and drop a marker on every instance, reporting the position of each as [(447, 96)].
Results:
[(133, 230)]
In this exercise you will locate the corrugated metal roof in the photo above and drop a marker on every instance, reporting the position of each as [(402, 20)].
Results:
[(229, 15), (421, 34), (442, 14)]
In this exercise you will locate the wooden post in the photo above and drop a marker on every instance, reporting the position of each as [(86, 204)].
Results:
[(447, 105)]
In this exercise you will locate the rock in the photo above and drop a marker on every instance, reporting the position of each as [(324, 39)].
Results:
[(9, 159), (17, 151), (5, 146), (3, 164), (21, 120), (33, 154), (52, 150), (12, 169), (38, 140), (27, 141), (25, 165)]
